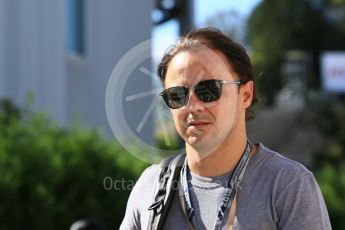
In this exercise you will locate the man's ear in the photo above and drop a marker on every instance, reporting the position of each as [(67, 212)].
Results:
[(247, 92)]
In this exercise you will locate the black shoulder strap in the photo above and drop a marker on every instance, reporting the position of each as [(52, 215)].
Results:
[(165, 189)]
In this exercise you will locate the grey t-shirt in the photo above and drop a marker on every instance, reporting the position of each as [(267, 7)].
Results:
[(276, 193)]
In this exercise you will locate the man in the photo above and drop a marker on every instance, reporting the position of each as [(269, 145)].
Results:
[(226, 182)]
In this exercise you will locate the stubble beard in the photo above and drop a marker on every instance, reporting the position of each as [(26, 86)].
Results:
[(206, 142)]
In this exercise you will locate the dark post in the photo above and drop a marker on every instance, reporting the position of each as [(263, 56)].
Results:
[(186, 15)]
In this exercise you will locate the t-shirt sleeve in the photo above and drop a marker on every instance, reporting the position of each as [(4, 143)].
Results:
[(136, 200), (301, 205)]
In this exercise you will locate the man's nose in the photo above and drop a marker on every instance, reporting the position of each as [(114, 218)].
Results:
[(194, 103)]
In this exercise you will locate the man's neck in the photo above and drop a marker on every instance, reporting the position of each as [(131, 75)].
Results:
[(222, 160)]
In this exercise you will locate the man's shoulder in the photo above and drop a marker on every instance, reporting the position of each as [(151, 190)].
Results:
[(149, 175), (270, 171), (276, 183), (140, 199), (274, 165), (142, 193), (277, 160)]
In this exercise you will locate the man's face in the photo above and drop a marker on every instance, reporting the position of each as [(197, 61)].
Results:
[(206, 126)]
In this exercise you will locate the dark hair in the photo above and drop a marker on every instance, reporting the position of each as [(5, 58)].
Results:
[(214, 39)]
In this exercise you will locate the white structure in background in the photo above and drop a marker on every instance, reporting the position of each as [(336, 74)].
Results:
[(333, 71), (64, 51), (295, 68)]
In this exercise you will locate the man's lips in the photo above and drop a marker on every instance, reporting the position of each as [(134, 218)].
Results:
[(197, 123)]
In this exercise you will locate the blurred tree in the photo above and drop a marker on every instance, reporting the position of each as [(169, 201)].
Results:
[(275, 27), (51, 177), (8, 111), (327, 114)]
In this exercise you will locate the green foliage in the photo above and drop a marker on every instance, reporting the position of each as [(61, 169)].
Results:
[(328, 115), (332, 184), (51, 176)]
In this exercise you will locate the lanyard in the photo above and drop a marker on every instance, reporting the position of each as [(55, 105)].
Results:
[(235, 179)]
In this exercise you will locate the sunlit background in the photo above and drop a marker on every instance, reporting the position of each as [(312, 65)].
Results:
[(59, 159)]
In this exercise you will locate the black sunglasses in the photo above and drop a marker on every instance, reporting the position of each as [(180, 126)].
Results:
[(206, 91)]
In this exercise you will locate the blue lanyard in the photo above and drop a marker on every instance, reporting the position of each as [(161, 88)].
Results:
[(234, 180)]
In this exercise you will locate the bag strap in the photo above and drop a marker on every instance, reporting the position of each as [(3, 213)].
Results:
[(166, 187)]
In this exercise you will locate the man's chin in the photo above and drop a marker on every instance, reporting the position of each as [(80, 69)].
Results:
[(194, 140)]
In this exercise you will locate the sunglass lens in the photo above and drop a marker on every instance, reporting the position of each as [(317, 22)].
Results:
[(209, 90), (175, 97)]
